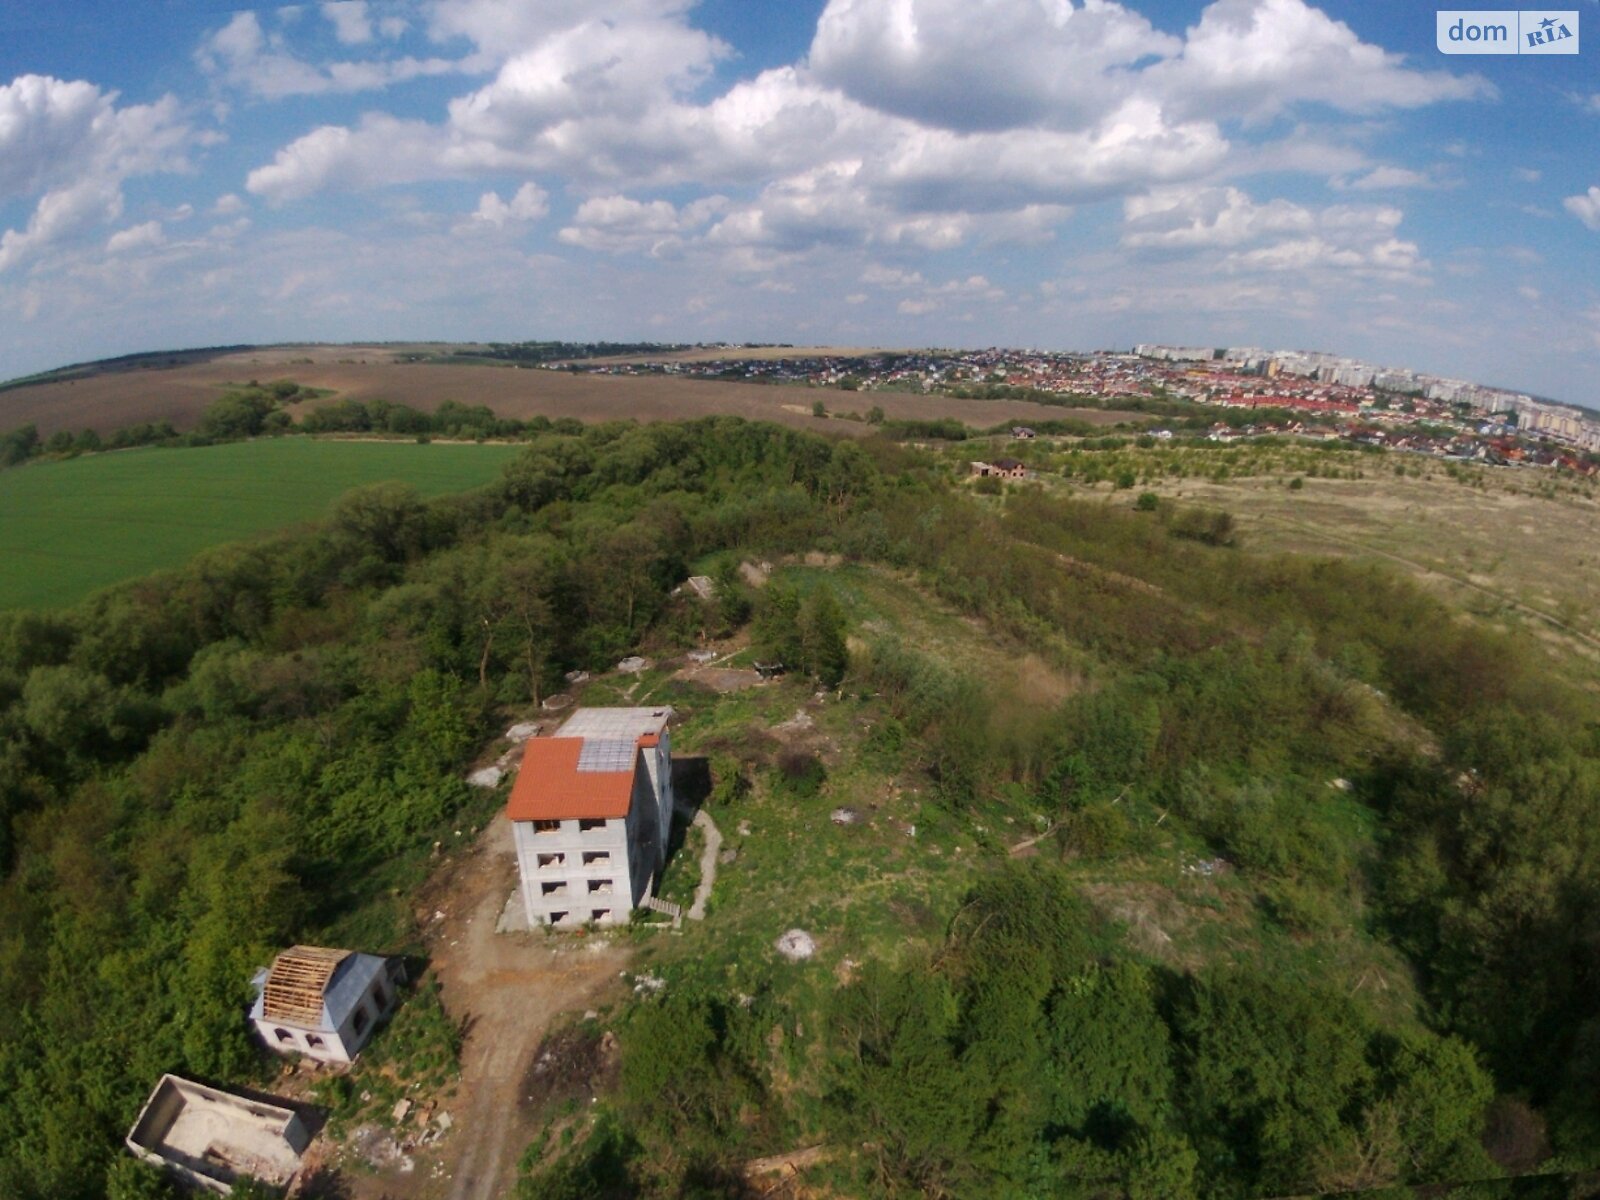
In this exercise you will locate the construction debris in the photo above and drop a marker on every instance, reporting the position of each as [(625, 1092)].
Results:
[(380, 1151)]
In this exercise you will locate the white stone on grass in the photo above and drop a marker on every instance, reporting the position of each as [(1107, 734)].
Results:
[(796, 945)]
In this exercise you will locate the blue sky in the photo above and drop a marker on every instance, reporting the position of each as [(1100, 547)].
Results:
[(892, 172)]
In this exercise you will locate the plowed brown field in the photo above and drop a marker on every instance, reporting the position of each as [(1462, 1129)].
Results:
[(114, 399)]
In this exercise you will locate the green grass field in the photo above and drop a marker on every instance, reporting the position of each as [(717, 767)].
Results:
[(69, 528)]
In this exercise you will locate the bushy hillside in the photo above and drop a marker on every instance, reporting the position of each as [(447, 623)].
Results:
[(1171, 870)]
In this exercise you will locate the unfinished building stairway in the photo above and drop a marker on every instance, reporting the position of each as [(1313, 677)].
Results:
[(666, 908)]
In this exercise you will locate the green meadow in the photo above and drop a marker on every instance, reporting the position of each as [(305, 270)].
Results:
[(69, 528)]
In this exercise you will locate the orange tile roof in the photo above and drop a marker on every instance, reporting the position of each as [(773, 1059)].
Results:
[(550, 787)]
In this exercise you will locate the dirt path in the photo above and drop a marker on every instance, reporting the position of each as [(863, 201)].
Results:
[(508, 988), (708, 864), (1026, 844)]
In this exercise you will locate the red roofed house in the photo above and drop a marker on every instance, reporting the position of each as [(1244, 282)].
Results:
[(590, 813)]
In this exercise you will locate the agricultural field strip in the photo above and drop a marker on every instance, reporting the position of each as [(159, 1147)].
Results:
[(75, 526)]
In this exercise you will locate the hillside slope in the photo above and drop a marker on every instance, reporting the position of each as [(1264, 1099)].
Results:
[(1132, 863)]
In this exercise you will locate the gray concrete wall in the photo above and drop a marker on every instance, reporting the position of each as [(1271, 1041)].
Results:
[(349, 1041), (332, 1049), (569, 845)]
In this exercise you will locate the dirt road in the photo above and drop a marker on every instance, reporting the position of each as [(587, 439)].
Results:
[(508, 988)]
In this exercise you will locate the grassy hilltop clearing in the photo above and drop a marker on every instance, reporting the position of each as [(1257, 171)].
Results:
[(1517, 547), (68, 528), (1135, 859)]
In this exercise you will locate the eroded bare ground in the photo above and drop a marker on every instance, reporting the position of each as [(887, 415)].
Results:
[(507, 988)]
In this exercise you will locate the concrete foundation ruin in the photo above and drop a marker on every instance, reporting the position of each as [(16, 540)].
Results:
[(212, 1138)]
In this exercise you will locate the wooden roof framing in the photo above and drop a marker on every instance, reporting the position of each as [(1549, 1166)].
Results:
[(297, 983)]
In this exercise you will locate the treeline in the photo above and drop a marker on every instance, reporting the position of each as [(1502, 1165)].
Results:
[(450, 419), (940, 429), (258, 410), (260, 748), (241, 412), (543, 352), (24, 442)]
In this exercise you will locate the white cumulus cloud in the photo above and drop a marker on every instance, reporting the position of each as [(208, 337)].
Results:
[(1585, 207), (1390, 178), (242, 54), (66, 146), (620, 224), (959, 65), (1255, 58), (351, 23), (1228, 229), (917, 122), (136, 238), (528, 204)]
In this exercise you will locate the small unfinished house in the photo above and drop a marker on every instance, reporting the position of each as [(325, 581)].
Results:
[(324, 1003), (209, 1137), (591, 811)]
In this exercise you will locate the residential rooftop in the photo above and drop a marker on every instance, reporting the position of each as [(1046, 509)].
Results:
[(586, 771)]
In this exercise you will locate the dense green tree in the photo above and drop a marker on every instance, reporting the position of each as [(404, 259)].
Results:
[(236, 414), (382, 520), (19, 445), (776, 627), (898, 1076), (823, 649)]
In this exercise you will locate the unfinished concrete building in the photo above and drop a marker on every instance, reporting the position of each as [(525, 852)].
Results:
[(211, 1138), (590, 813), (324, 1003)]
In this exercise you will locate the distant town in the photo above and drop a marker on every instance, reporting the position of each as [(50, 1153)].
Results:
[(1306, 393)]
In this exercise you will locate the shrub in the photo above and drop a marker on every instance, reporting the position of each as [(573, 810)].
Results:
[(801, 773)]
